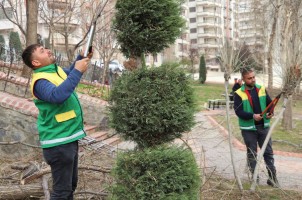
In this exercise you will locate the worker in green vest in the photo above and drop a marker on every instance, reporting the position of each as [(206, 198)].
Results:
[(60, 119), (249, 102)]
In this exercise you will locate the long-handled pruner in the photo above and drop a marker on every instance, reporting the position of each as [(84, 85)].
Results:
[(272, 105), (91, 31)]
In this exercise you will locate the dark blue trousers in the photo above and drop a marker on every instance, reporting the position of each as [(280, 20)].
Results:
[(63, 160), (251, 139)]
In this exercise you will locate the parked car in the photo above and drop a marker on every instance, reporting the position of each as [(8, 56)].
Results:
[(114, 65)]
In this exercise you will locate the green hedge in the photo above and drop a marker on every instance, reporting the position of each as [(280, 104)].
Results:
[(152, 106), (168, 173)]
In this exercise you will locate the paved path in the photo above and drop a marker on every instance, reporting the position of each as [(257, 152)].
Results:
[(208, 137)]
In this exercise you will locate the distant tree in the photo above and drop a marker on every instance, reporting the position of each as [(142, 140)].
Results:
[(2, 41), (193, 56), (2, 44), (202, 70), (14, 43), (147, 26), (27, 27), (246, 59)]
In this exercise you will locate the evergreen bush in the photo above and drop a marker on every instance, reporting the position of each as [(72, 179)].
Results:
[(146, 26), (15, 44), (152, 106), (202, 70), (161, 173), (2, 45)]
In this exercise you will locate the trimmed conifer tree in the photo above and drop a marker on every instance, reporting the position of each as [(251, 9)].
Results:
[(2, 44), (15, 45), (202, 70), (152, 107), (146, 26)]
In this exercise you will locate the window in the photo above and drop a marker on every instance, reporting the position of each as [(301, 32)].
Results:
[(192, 20), (9, 12), (193, 30), (193, 41), (180, 47), (183, 36), (155, 57), (192, 9)]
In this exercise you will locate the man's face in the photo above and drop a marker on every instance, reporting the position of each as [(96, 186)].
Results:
[(249, 79), (42, 57)]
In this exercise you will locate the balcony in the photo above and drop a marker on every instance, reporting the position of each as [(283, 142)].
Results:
[(208, 14), (209, 45), (64, 24), (209, 24), (59, 40), (58, 4), (246, 18), (209, 35), (250, 35), (245, 27), (208, 3), (6, 25)]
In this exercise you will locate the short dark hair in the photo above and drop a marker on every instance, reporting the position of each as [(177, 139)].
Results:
[(27, 54), (246, 70)]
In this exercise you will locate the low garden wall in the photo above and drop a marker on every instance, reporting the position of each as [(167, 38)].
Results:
[(18, 121)]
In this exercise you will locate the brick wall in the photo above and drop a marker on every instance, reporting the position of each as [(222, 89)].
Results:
[(18, 121)]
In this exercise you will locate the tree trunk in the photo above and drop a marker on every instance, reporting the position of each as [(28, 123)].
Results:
[(239, 184), (21, 191), (105, 76), (287, 121), (31, 29), (139, 63), (270, 50)]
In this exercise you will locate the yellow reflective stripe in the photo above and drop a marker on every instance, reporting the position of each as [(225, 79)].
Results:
[(65, 116)]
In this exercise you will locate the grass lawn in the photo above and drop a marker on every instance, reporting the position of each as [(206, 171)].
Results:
[(283, 140), (101, 92), (204, 92)]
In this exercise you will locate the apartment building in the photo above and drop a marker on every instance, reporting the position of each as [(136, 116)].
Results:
[(251, 27), (180, 48), (176, 51), (211, 22)]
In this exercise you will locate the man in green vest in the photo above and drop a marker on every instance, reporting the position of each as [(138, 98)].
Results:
[(249, 102), (60, 119)]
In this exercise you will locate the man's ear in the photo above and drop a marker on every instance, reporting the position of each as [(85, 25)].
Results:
[(35, 63)]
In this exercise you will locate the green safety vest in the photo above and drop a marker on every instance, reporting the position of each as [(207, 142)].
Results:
[(57, 123), (247, 107)]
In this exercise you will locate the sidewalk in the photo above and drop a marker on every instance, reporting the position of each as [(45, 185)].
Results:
[(211, 148)]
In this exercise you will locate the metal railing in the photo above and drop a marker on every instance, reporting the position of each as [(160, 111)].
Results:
[(11, 66)]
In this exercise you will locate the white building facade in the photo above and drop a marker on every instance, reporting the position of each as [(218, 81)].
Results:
[(211, 21)]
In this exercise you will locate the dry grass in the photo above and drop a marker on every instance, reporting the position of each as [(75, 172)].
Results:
[(220, 188)]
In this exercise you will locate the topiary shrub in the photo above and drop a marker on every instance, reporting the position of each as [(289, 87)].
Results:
[(15, 45), (202, 70), (2, 47), (152, 106), (168, 173)]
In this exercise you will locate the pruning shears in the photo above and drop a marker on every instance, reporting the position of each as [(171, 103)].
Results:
[(272, 105)]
